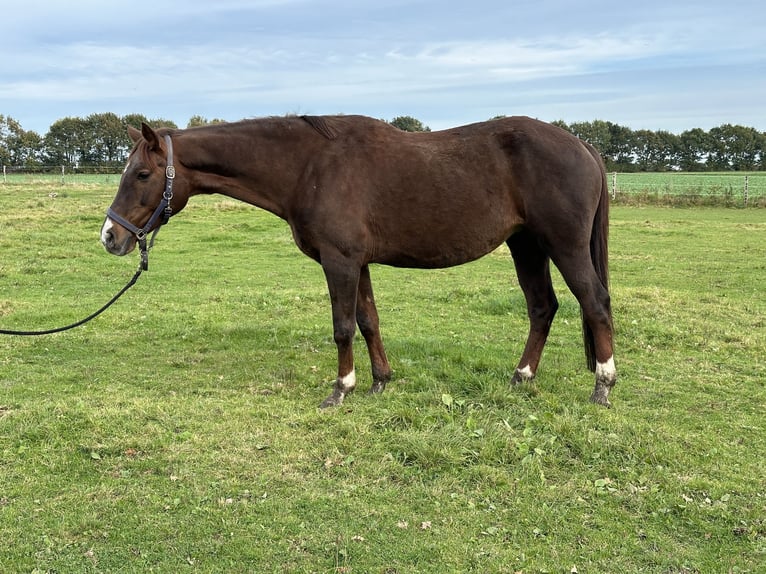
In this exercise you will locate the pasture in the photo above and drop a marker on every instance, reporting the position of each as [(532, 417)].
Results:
[(179, 432)]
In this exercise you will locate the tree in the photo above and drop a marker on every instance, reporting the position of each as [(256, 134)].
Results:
[(596, 133), (197, 121), (735, 147), (621, 144), (107, 140), (102, 139), (656, 151), (694, 146), (63, 142), (5, 154), (18, 147), (614, 142), (409, 124), (135, 120), (27, 149)]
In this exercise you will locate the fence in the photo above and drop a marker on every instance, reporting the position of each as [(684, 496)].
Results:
[(49, 174), (714, 188)]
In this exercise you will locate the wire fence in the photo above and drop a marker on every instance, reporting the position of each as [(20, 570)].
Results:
[(59, 174), (734, 189)]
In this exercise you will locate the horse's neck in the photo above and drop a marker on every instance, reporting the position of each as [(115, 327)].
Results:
[(249, 163)]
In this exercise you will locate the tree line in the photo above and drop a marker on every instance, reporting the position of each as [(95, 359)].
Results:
[(102, 140)]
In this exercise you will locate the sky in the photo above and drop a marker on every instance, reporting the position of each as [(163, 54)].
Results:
[(651, 64)]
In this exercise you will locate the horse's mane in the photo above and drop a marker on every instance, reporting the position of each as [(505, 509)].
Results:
[(320, 124)]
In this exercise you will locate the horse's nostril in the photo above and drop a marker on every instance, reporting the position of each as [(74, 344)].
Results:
[(107, 238)]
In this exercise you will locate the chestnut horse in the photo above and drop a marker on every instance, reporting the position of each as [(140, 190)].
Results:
[(356, 191)]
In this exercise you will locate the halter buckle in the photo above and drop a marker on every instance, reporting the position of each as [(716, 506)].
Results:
[(170, 172)]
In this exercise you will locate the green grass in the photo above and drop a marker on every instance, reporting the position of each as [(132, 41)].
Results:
[(179, 432)]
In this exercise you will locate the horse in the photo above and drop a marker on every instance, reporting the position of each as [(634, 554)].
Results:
[(357, 191)]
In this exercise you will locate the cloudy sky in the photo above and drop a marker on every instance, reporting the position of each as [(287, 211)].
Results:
[(654, 64)]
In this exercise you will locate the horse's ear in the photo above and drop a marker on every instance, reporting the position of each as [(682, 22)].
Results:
[(134, 134), (151, 137)]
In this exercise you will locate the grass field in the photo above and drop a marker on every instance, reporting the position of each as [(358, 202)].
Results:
[(179, 432)]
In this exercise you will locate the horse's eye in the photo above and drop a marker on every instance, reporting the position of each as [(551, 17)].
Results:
[(142, 175)]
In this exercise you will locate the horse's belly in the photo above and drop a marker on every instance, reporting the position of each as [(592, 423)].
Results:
[(451, 247)]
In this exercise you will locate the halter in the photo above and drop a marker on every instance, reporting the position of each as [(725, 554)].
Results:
[(162, 213)]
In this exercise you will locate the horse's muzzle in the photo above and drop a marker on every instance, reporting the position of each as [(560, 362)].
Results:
[(116, 240)]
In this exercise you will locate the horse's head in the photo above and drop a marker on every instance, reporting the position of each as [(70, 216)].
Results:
[(148, 194)]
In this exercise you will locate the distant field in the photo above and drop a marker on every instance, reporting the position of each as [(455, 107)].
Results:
[(720, 188), (670, 188), (55, 177)]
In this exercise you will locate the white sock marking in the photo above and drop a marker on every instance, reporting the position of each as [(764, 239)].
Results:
[(606, 371), (526, 373), (348, 382)]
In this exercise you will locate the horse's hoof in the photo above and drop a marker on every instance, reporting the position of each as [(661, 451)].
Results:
[(521, 376), (377, 387), (334, 400), (600, 396)]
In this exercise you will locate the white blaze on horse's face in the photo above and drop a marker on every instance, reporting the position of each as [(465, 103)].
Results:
[(105, 229), (107, 237)]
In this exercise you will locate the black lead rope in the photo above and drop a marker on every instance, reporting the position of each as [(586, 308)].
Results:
[(82, 321), (142, 266), (161, 215)]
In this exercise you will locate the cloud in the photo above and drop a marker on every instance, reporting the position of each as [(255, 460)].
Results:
[(90, 70), (239, 58)]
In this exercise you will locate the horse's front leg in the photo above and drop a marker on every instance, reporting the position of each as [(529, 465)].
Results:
[(342, 282), (369, 325)]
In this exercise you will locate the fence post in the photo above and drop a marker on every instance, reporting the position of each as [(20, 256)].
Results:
[(62, 175), (746, 190), (4, 178), (614, 185)]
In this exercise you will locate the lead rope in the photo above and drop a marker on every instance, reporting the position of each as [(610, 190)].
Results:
[(163, 213), (142, 265), (82, 321)]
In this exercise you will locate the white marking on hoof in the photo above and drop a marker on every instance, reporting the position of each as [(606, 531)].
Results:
[(606, 371), (606, 377), (526, 373), (348, 382)]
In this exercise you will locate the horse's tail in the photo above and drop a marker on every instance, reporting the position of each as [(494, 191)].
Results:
[(599, 252)]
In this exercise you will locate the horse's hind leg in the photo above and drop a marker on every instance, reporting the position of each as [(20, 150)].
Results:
[(577, 269), (367, 319), (533, 271)]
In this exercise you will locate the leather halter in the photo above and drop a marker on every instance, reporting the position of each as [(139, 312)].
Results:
[(161, 214)]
